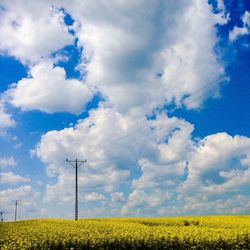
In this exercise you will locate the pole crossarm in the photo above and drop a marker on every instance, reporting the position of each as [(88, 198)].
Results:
[(76, 166), (74, 161)]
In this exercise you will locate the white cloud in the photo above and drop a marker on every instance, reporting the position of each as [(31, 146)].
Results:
[(48, 90), (117, 196), (236, 32), (140, 202), (140, 56), (236, 204), (220, 5), (163, 174), (219, 164), (31, 30), (125, 50), (94, 197), (123, 66), (109, 159), (7, 161), (14, 194), (136, 198), (157, 160), (12, 178), (6, 119), (246, 18), (27, 205)]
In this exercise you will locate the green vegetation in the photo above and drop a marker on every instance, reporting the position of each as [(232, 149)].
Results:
[(199, 232)]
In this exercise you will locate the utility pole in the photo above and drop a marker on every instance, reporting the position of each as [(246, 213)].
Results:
[(76, 165), (2, 212), (16, 201)]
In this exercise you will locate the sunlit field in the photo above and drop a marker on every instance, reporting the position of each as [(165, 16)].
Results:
[(198, 232)]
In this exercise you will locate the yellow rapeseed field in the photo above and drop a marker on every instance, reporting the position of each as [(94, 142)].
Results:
[(198, 232)]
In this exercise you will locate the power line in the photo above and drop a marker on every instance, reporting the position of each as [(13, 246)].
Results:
[(200, 96), (76, 166), (140, 124), (175, 122), (208, 85), (143, 126), (196, 95)]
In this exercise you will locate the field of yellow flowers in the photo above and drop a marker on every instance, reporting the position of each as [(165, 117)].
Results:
[(199, 232)]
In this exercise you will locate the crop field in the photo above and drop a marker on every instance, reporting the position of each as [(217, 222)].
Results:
[(199, 232)]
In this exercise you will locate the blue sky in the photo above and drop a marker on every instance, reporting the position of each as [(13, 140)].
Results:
[(155, 95)]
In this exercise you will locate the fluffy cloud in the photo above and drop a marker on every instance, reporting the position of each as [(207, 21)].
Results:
[(27, 206), (48, 90), (117, 196), (94, 197), (168, 159), (31, 31), (157, 161), (222, 17), (160, 176), (220, 5), (6, 119), (236, 32), (7, 161), (15, 194), (110, 159), (214, 154), (164, 46), (219, 164), (12, 178), (140, 56), (216, 165), (246, 18), (236, 204)]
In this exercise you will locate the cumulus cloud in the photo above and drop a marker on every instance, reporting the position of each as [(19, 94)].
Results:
[(160, 176), (48, 90), (7, 161), (161, 46), (171, 164), (164, 46), (219, 164), (216, 165), (157, 160), (117, 196), (15, 194), (6, 119), (111, 160), (140, 56), (221, 17), (27, 207), (236, 204), (12, 178), (94, 197), (33, 30), (246, 18), (220, 5), (236, 32)]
